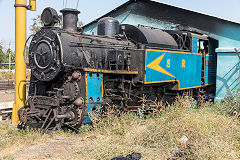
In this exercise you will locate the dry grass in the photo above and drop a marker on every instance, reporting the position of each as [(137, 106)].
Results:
[(182, 131), (210, 135), (13, 141), (6, 75), (11, 75), (10, 135)]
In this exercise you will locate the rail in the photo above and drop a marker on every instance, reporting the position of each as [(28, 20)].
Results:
[(9, 84), (6, 107), (6, 110)]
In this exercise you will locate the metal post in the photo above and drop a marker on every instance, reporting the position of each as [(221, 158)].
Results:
[(9, 58), (20, 66)]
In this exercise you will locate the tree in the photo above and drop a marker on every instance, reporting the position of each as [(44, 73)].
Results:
[(3, 57), (12, 54), (37, 24)]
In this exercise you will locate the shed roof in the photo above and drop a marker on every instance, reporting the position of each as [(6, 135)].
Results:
[(157, 4)]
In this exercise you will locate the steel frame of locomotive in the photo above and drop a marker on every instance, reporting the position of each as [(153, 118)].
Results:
[(74, 74)]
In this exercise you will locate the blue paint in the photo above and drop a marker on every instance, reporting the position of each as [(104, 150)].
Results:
[(195, 45), (94, 91), (91, 29), (210, 71), (227, 34), (188, 76), (227, 79)]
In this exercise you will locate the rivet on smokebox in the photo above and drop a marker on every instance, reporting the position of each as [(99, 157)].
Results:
[(79, 101), (76, 75)]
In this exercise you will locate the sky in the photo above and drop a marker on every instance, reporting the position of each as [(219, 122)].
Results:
[(92, 9)]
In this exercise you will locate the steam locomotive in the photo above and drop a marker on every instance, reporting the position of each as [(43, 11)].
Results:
[(127, 66)]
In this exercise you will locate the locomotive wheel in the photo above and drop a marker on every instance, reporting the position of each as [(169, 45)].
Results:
[(51, 120), (72, 119), (77, 117)]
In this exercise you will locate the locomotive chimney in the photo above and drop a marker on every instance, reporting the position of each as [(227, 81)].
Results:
[(70, 19)]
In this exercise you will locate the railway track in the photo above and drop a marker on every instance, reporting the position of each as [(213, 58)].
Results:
[(6, 107), (8, 84)]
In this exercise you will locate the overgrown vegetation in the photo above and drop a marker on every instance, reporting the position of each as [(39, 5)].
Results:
[(183, 130), (206, 132), (10, 135)]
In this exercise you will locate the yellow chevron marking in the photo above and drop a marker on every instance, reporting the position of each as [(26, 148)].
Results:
[(155, 66)]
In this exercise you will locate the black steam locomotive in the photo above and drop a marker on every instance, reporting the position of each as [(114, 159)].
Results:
[(127, 66)]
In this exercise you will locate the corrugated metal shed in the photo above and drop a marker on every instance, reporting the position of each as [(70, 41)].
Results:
[(163, 16)]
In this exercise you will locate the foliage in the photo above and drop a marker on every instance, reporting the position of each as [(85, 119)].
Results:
[(37, 24), (10, 135), (179, 131), (4, 56), (231, 104), (9, 51)]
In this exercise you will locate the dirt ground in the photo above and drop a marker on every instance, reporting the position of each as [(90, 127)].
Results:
[(6, 95), (54, 148), (59, 147)]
